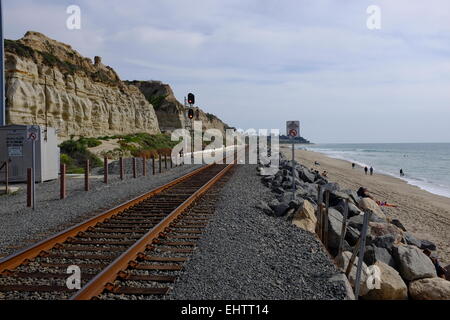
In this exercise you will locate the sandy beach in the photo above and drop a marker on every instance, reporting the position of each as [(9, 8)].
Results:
[(425, 215)]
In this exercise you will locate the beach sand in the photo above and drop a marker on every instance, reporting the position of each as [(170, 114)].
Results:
[(424, 215)]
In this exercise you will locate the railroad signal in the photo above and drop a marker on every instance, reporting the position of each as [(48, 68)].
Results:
[(191, 98), (191, 113)]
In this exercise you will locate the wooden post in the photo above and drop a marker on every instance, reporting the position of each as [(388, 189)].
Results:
[(325, 220), (62, 190), (353, 258), (165, 161), (105, 168), (362, 248), (171, 162), (134, 168), (344, 228), (153, 165), (121, 168), (29, 187), (7, 177), (86, 176), (144, 166), (160, 163)]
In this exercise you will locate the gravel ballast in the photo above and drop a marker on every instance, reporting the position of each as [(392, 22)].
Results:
[(21, 226), (245, 254)]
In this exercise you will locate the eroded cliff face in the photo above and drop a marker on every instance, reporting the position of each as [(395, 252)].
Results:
[(50, 84), (171, 112)]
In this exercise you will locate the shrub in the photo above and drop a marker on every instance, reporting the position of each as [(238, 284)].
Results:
[(77, 150)]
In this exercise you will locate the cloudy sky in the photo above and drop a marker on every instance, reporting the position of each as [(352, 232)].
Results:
[(258, 63)]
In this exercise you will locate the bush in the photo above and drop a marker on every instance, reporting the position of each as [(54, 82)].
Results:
[(78, 152)]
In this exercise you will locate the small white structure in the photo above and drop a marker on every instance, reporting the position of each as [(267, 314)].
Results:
[(17, 148)]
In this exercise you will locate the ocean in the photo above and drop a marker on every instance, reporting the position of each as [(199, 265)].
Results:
[(426, 165)]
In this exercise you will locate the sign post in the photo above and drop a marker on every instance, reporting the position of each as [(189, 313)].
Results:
[(293, 129), (33, 136)]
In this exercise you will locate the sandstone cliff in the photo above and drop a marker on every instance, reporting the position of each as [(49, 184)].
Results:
[(50, 84), (170, 112)]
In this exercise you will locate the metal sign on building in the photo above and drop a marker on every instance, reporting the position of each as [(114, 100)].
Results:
[(293, 129), (14, 143)]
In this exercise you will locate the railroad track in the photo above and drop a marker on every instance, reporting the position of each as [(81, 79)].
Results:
[(136, 249)]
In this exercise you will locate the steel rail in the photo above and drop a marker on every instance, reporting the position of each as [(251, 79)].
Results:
[(11, 262), (106, 278)]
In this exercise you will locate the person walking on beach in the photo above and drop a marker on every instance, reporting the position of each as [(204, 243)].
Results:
[(401, 173), (365, 170), (353, 165), (371, 171)]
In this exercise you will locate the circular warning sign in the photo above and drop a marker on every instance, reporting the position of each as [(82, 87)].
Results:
[(293, 133)]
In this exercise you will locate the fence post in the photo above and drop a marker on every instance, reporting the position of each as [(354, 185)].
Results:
[(144, 166), (62, 190), (105, 169), (362, 248), (134, 168), (165, 161), (153, 165), (344, 228), (353, 258), (171, 162), (29, 186), (86, 176), (160, 163), (121, 168)]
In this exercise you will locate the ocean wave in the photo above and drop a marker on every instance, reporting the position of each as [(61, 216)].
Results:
[(420, 182)]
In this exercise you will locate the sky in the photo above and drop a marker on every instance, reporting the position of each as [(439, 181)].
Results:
[(258, 63)]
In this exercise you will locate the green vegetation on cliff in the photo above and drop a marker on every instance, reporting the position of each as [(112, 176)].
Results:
[(74, 154), (141, 144)]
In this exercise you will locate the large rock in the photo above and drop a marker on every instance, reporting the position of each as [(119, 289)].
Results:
[(447, 275), (352, 235), (386, 241), (357, 222), (334, 228), (50, 84), (426, 244), (378, 229), (430, 289), (281, 209), (306, 175), (390, 286), (367, 204), (375, 254), (343, 261), (305, 217), (398, 224), (413, 263), (410, 239)]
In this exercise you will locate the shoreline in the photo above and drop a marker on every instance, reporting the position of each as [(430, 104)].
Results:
[(432, 188), (425, 215)]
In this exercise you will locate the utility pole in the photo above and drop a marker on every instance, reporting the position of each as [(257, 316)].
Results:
[(2, 71)]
